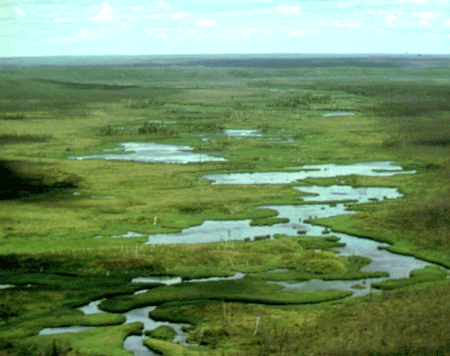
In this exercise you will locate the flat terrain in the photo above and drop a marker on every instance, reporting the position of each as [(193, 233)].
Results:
[(62, 217)]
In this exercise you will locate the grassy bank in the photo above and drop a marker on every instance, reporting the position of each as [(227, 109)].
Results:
[(60, 217)]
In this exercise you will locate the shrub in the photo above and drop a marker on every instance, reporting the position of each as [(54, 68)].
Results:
[(15, 138)]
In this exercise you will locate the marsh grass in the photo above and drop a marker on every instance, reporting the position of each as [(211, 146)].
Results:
[(403, 322), (427, 217), (16, 138), (247, 290), (400, 115), (55, 348)]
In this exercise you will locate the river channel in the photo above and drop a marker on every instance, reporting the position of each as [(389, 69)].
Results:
[(322, 202)]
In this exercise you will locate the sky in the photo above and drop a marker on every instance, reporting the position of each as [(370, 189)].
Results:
[(159, 27)]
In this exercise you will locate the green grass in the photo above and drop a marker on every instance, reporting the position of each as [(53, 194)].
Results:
[(163, 333), (247, 290), (47, 227), (96, 341), (428, 274)]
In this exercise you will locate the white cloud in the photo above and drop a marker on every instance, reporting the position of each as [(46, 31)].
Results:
[(160, 32), (204, 22), (288, 9), (179, 15), (163, 5), (246, 32), (424, 23), (2, 13), (105, 13), (83, 36), (19, 12), (293, 33)]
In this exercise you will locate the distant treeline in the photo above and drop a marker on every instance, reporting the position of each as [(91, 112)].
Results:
[(273, 61)]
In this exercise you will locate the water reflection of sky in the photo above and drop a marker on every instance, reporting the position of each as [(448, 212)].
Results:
[(151, 152), (330, 170)]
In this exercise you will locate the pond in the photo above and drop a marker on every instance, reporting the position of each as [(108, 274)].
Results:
[(330, 170), (240, 133), (338, 113), (150, 152)]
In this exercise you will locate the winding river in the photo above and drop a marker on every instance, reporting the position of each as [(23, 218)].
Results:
[(322, 201)]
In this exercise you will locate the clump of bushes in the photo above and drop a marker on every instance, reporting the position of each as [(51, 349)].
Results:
[(15, 138), (14, 262), (12, 117), (155, 128), (142, 104), (18, 348), (108, 130), (303, 100)]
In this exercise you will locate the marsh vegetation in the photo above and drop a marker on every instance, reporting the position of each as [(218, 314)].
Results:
[(61, 219)]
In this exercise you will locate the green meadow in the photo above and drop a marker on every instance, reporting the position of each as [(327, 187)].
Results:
[(60, 216)]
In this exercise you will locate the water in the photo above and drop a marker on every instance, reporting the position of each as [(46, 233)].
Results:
[(133, 343), (226, 230), (6, 286), (338, 113), (63, 330), (91, 308), (372, 169), (240, 133), (150, 152), (398, 266), (322, 202), (168, 281)]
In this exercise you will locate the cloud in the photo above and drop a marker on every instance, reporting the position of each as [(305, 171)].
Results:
[(160, 32), (179, 15), (19, 12), (163, 5), (105, 13), (288, 9), (84, 35), (204, 22)]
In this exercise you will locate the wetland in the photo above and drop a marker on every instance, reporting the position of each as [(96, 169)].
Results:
[(248, 211)]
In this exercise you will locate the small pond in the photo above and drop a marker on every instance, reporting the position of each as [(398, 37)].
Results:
[(330, 170), (150, 152), (241, 133), (339, 113), (6, 286)]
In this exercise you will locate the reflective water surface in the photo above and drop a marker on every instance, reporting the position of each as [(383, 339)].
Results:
[(331, 170), (154, 152), (322, 202)]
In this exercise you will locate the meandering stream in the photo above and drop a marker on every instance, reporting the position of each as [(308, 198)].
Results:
[(323, 201)]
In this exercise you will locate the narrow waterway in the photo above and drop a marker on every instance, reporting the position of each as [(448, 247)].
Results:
[(321, 203)]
